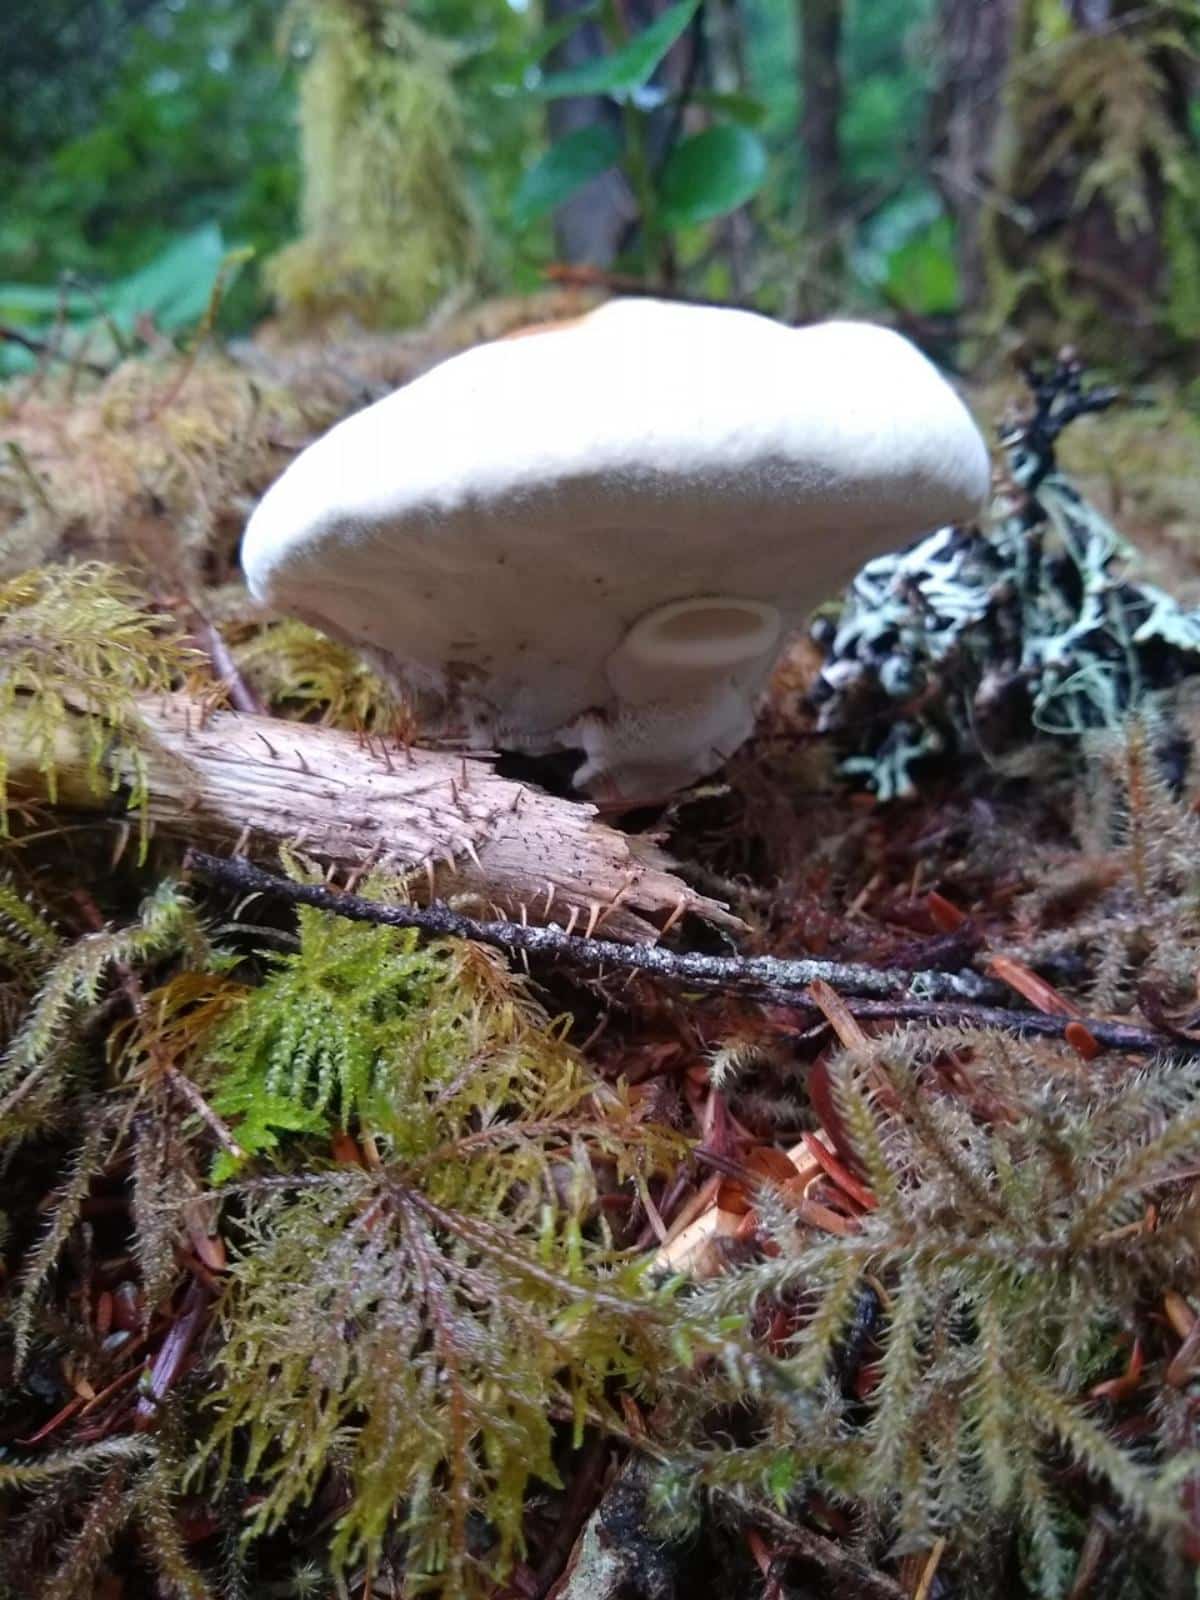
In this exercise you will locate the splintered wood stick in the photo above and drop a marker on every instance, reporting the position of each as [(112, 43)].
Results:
[(446, 823)]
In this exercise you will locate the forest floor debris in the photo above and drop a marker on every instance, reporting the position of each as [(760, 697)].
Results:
[(860, 1260)]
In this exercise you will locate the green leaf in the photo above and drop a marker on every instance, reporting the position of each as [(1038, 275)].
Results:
[(558, 32), (507, 76), (922, 274), (711, 173), (175, 287), (628, 69), (28, 302), (576, 159)]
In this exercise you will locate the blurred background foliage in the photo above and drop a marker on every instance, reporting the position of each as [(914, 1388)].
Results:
[(977, 173)]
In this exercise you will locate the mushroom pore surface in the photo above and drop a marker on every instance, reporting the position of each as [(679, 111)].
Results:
[(598, 537)]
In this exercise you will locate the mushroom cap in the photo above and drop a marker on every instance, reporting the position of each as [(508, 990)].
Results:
[(491, 533)]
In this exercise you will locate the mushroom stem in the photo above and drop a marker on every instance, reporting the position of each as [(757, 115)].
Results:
[(686, 678)]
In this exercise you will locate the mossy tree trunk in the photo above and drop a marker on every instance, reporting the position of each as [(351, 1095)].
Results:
[(1089, 230), (390, 230)]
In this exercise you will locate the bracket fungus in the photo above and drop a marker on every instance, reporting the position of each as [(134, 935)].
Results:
[(598, 537)]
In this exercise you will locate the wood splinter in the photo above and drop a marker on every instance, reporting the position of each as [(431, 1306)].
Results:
[(447, 816)]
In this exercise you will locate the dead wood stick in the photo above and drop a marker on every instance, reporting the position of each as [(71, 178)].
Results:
[(949, 1013), (751, 975), (44, 347), (842, 1566), (447, 824), (241, 696), (878, 993)]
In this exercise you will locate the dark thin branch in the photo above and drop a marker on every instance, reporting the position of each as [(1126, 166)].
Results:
[(760, 975), (43, 347), (695, 68), (766, 977), (950, 999), (949, 1014)]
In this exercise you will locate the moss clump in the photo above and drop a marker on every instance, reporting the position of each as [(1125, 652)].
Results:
[(422, 1305), (300, 673), (80, 640), (157, 465), (946, 1364), (388, 228)]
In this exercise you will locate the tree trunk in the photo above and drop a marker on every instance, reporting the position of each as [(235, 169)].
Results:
[(728, 73), (593, 227), (447, 823), (976, 47), (1088, 232), (588, 227), (819, 30)]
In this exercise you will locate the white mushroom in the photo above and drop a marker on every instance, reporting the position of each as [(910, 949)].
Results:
[(599, 536)]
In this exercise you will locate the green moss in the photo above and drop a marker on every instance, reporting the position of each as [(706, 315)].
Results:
[(1181, 235), (388, 228), (355, 1029), (80, 639), (299, 672), (428, 1311), (422, 1290), (999, 1286)]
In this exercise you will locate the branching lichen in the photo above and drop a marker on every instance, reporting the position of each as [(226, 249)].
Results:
[(974, 640)]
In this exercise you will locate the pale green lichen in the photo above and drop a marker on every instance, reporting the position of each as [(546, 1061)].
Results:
[(974, 640)]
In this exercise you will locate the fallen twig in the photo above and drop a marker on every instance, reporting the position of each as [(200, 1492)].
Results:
[(44, 347), (948, 1013), (876, 993), (842, 1566), (767, 977), (172, 1356), (225, 669)]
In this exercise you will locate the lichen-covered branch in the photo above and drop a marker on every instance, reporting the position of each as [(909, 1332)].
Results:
[(771, 978), (879, 993)]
